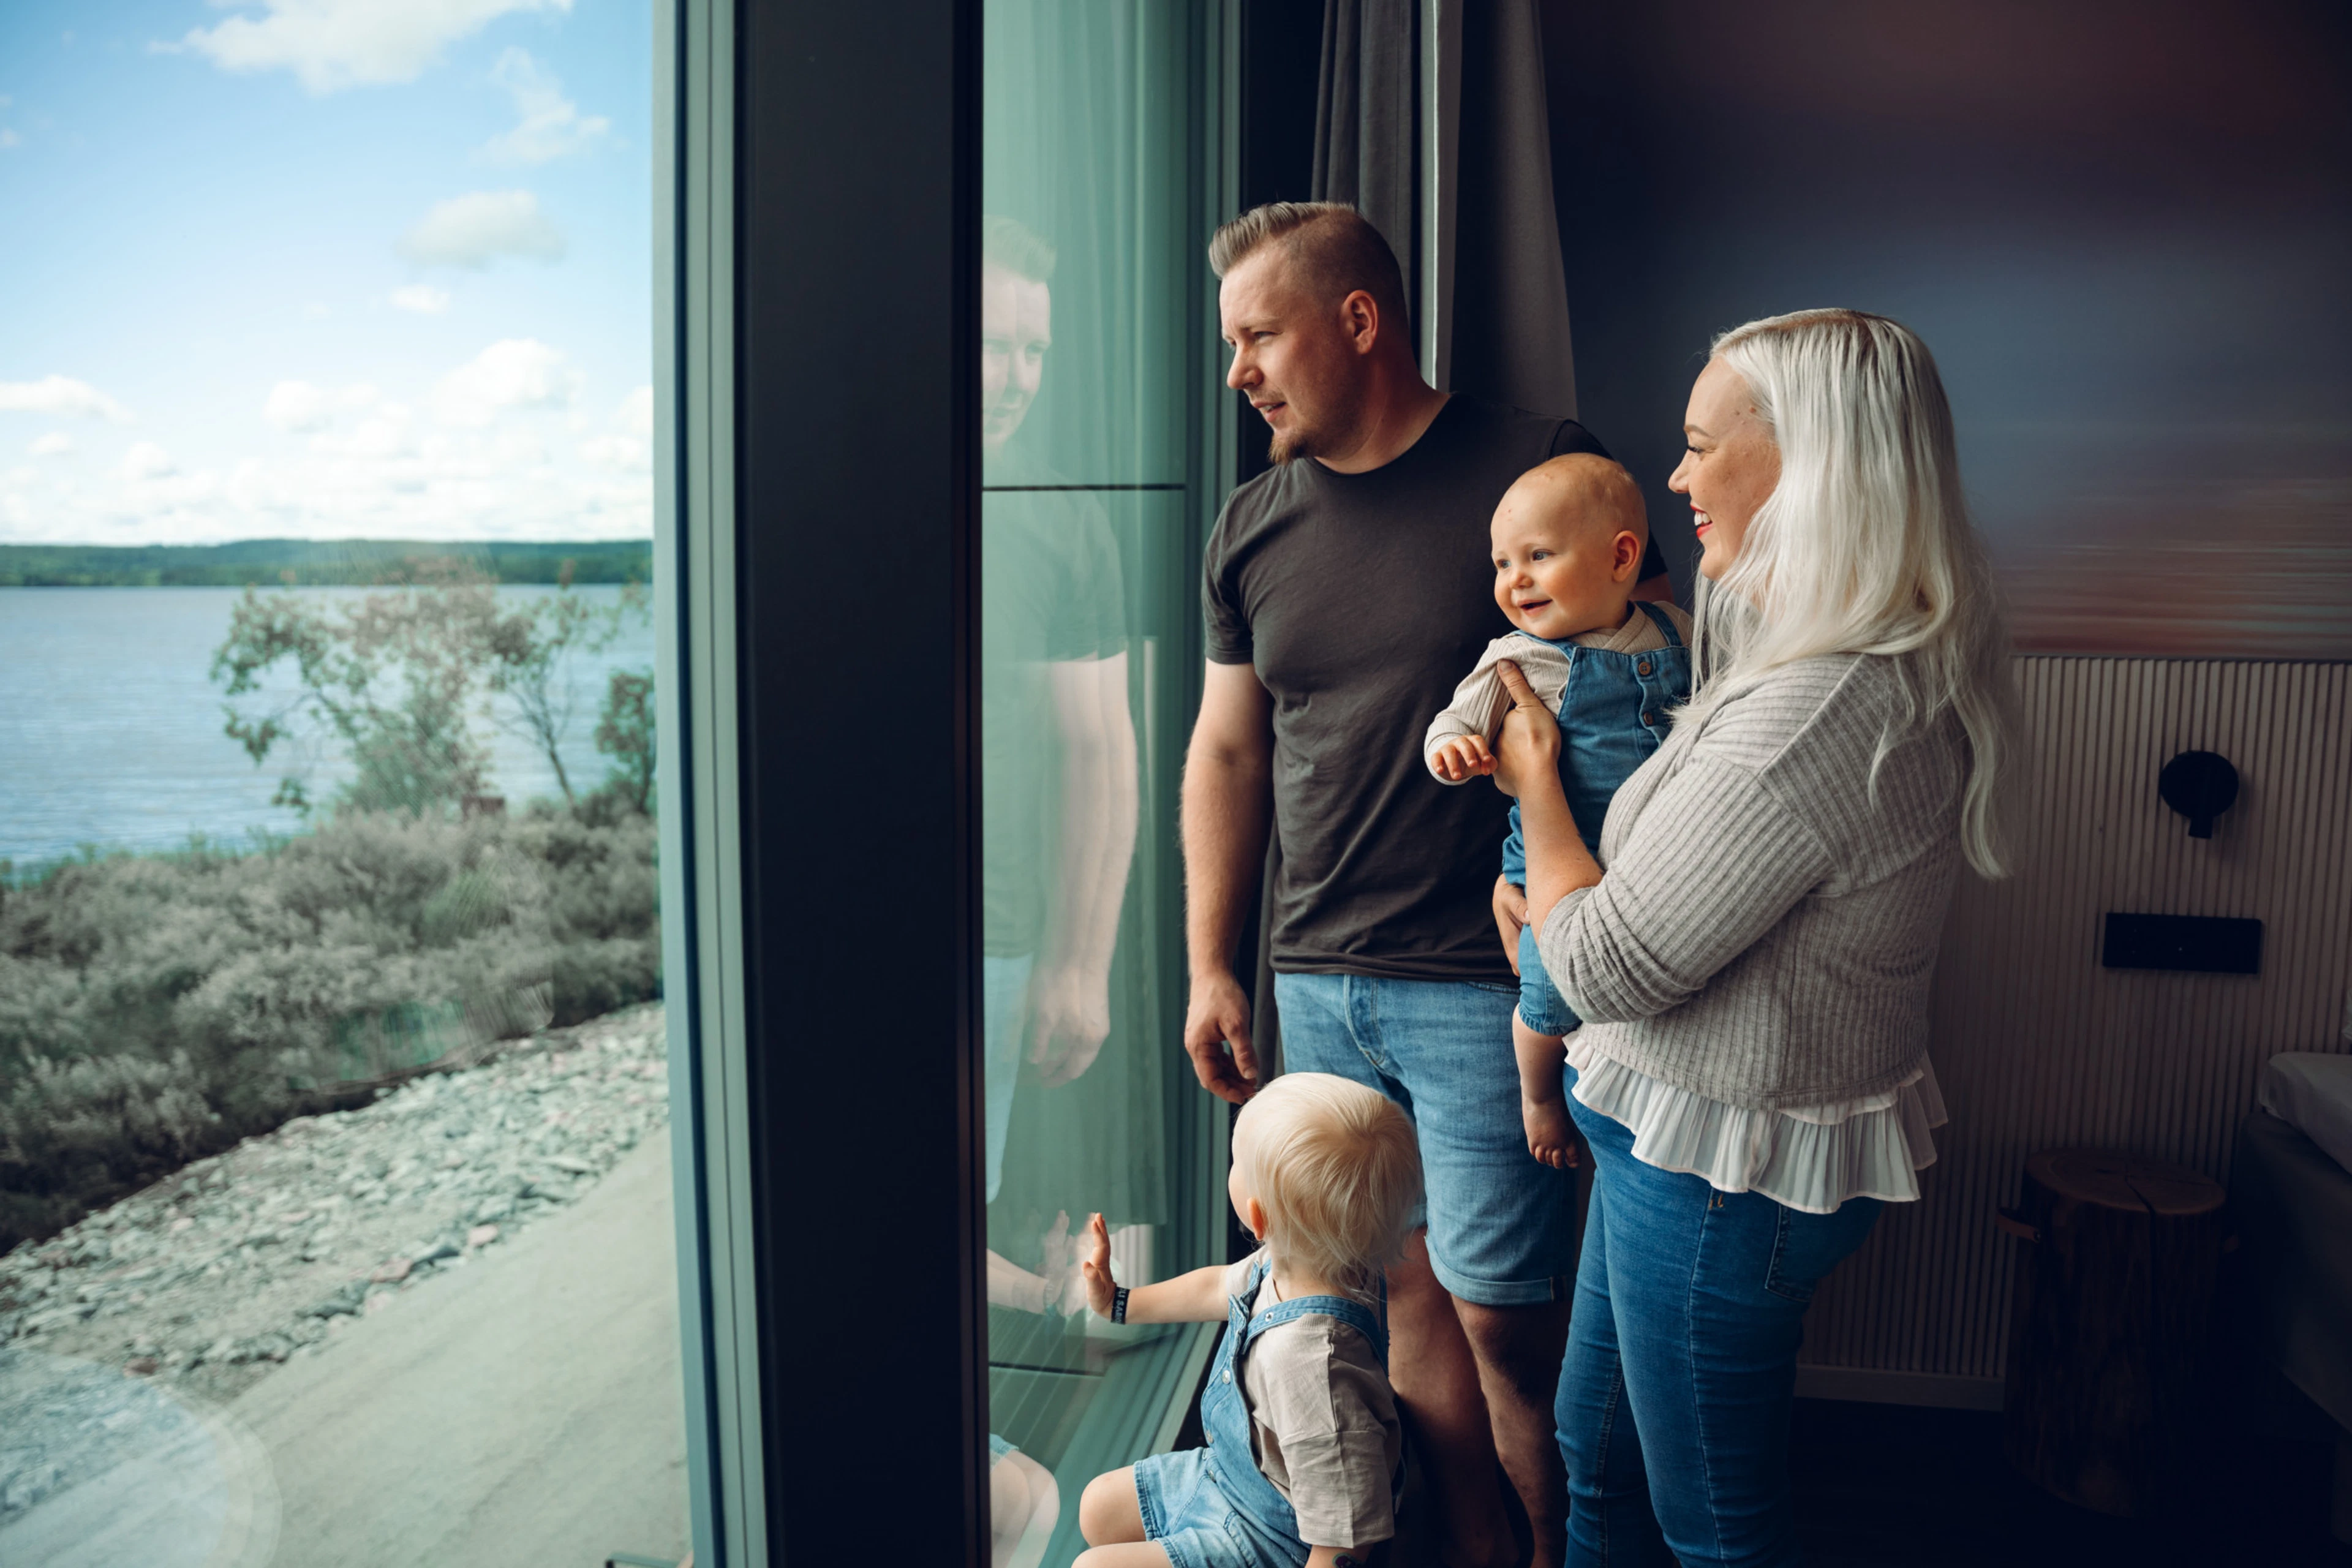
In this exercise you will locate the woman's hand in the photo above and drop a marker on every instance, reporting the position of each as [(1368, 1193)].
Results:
[(1528, 747), (1510, 914)]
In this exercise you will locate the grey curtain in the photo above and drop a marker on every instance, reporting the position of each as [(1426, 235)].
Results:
[(1430, 119), (1369, 123)]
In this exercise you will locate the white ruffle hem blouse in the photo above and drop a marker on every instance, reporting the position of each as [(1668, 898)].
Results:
[(1810, 1157)]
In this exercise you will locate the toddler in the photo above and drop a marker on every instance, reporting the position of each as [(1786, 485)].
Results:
[(1304, 1454), (1568, 544)]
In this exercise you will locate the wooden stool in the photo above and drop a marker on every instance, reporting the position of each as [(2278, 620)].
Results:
[(2111, 1307)]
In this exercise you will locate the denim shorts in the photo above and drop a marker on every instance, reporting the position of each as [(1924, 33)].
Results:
[(1502, 1226), (1542, 1007), (1183, 1511)]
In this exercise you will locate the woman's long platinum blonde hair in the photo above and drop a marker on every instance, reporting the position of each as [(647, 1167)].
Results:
[(1864, 546)]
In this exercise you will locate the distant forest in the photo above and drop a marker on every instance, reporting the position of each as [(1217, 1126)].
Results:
[(314, 562)]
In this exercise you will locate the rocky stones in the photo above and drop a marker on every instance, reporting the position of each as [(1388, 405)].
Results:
[(238, 1262)]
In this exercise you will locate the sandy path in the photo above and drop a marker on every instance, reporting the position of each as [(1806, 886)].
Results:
[(525, 1412)]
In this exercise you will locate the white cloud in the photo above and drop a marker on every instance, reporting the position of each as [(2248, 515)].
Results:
[(488, 451), (294, 406), (385, 435), (55, 444), (627, 448), (146, 460), (474, 229), (58, 395), (334, 43), (9, 138), (548, 124), (635, 415), (514, 373), (422, 299)]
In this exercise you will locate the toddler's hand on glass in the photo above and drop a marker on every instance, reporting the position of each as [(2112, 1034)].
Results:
[(1462, 757), (1095, 1265)]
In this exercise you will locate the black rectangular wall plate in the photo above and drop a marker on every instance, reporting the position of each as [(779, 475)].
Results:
[(2205, 945)]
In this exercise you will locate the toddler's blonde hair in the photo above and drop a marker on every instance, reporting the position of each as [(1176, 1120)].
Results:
[(1338, 1169)]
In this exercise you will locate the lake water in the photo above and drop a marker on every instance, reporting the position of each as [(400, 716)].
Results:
[(111, 733)]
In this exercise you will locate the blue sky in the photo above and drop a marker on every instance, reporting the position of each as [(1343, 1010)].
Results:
[(325, 268)]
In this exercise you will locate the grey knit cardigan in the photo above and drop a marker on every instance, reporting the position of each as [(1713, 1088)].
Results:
[(1765, 930)]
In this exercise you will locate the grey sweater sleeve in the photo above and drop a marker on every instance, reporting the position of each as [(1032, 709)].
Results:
[(1677, 905)]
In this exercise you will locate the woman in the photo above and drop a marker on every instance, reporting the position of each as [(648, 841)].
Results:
[(1753, 966)]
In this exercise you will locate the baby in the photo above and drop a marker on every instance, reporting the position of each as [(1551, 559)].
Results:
[(1326, 1176), (1568, 544)]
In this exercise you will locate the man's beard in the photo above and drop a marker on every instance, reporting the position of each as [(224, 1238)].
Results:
[(1303, 441), (1307, 441)]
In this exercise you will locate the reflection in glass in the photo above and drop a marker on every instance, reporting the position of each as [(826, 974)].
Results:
[(1087, 486)]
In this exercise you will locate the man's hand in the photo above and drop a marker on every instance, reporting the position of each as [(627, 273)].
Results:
[(1094, 1266), (1219, 1016), (1510, 916), (1461, 758), (1069, 1018)]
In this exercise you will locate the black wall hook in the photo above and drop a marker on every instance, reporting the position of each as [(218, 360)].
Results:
[(2201, 786)]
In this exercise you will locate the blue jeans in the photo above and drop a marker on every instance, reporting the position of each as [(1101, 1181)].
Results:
[(1682, 1361), (1502, 1227)]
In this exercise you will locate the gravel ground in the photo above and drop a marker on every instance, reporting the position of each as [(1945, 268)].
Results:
[(211, 1278)]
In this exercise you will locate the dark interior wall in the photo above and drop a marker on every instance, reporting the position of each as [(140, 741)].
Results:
[(2124, 228)]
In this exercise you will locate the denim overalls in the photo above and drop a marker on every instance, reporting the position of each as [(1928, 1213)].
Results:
[(1613, 715), (1212, 1507)]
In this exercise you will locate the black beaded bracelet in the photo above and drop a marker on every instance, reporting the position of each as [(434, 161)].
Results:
[(1118, 1303)]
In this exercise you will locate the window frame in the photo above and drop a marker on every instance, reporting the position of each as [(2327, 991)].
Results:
[(796, 1451), (830, 1246)]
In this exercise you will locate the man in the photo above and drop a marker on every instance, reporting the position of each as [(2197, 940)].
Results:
[(1058, 795), (1347, 590), (1058, 766)]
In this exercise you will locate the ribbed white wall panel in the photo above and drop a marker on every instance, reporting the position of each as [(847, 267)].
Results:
[(2037, 1046)]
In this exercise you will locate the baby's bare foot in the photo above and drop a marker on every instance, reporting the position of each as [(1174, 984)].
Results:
[(1551, 1134)]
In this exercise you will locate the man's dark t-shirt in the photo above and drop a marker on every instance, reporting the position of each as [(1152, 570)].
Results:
[(1362, 599)]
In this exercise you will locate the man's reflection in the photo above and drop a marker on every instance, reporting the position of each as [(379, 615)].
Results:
[(1058, 792)]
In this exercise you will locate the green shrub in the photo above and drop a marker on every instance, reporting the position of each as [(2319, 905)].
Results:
[(154, 1008)]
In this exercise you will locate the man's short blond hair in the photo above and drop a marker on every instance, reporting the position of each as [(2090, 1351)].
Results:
[(1337, 1166), (1332, 249), (1015, 247)]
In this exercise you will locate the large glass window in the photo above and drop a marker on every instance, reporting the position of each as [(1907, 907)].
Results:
[(1091, 327), (335, 1213)]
